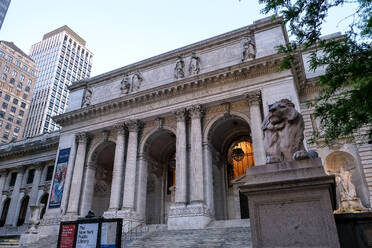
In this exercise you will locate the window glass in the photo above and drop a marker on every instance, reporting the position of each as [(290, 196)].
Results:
[(8, 126), (2, 114), (3, 76), (21, 113), (6, 135), (7, 97), (16, 130), (24, 68), (13, 109), (22, 78), (10, 118), (31, 174), (18, 63), (10, 58), (23, 105), (29, 81), (11, 81), (4, 105), (6, 68), (27, 89), (14, 74), (19, 121), (19, 85), (15, 101), (49, 174), (13, 178)]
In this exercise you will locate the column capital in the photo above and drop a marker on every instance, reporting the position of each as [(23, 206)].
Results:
[(134, 125), (4, 172), (120, 127), (39, 166), (253, 97), (180, 114), (196, 112), (82, 137)]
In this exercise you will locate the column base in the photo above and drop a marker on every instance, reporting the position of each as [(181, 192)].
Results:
[(131, 219), (193, 216)]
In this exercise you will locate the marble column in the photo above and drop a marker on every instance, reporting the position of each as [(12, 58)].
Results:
[(181, 158), (142, 186), (88, 188), (77, 178), (208, 165), (3, 180), (131, 165), (35, 185), (254, 102), (196, 156), (69, 172), (11, 219), (117, 173)]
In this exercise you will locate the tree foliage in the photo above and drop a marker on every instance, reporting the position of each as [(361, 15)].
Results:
[(344, 105)]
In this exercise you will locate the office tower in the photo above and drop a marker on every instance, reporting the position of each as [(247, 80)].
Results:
[(4, 5), (18, 74), (62, 58)]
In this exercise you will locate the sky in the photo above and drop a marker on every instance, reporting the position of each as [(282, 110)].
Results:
[(121, 32)]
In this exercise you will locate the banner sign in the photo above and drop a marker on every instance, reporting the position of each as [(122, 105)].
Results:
[(67, 236), (87, 235), (59, 178), (94, 232)]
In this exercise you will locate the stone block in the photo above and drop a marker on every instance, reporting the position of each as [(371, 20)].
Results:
[(291, 205), (193, 216)]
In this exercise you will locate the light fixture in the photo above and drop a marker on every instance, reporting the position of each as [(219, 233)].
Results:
[(237, 154)]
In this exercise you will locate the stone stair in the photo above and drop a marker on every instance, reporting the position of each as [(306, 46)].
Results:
[(231, 233)]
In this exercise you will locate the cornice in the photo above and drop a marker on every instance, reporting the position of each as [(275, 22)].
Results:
[(249, 69), (29, 147), (257, 26)]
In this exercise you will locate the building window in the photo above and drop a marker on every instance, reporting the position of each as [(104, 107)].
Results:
[(10, 58), (15, 101), (20, 85), (19, 121), (2, 54), (49, 174), (32, 72), (14, 74), (22, 78), (11, 81), (7, 97), (24, 68), (5, 105), (18, 63), (31, 175), (14, 137), (2, 114), (21, 113), (27, 89), (29, 81), (11, 118), (13, 179), (25, 95), (13, 109), (8, 126), (6, 68), (3, 76), (6, 135), (23, 105), (16, 130), (1, 123)]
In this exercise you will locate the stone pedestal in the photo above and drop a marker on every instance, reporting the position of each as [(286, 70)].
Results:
[(193, 216), (291, 205)]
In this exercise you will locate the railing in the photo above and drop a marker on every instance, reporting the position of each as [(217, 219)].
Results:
[(132, 230)]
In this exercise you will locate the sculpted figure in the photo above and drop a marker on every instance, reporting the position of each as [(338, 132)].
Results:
[(179, 68), (283, 131), (249, 49), (125, 85), (87, 97), (194, 66), (348, 197), (136, 81)]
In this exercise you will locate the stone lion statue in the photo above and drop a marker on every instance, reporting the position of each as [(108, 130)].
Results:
[(283, 131)]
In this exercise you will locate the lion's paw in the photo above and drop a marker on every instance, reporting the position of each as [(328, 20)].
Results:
[(272, 160), (300, 155)]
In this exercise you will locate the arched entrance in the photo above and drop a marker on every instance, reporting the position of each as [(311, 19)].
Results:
[(4, 213), (43, 202), (103, 178), (97, 179), (230, 143), (23, 211), (159, 151)]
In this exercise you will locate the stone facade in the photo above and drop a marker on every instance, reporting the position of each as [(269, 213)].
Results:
[(151, 142)]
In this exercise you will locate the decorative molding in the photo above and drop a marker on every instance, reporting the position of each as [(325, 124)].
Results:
[(196, 112), (120, 128), (248, 48), (87, 97), (176, 211), (134, 125), (179, 68), (194, 65), (82, 137), (125, 85), (242, 71), (160, 122), (254, 97), (137, 80), (180, 114)]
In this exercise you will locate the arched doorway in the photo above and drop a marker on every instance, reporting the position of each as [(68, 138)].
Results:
[(339, 159), (43, 202), (159, 150), (104, 163), (23, 211), (232, 152), (4, 213)]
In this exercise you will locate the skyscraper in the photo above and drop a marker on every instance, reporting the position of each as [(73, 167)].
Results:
[(18, 75), (4, 5), (62, 58)]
